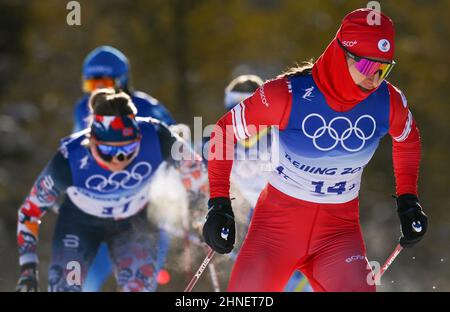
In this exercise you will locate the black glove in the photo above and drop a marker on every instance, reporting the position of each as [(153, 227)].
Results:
[(219, 230), (28, 280), (413, 220)]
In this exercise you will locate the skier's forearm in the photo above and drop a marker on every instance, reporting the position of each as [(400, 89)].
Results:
[(220, 158), (188, 162), (50, 184), (195, 180), (29, 216)]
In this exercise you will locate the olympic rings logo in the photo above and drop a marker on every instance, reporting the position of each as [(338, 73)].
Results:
[(120, 179), (333, 133)]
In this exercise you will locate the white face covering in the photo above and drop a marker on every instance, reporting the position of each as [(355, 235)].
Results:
[(232, 98)]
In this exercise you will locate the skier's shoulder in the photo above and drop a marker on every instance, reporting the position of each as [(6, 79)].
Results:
[(149, 122), (142, 98), (166, 135), (278, 86), (399, 114), (153, 124), (270, 102), (397, 97), (72, 142), (149, 106), (294, 80)]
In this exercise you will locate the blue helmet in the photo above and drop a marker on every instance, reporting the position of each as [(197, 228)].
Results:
[(106, 61)]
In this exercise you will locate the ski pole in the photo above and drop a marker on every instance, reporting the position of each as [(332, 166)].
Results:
[(213, 275), (388, 262), (200, 270), (188, 254), (417, 227)]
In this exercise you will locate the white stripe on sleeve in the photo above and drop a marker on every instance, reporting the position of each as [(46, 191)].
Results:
[(239, 124), (402, 137), (244, 122)]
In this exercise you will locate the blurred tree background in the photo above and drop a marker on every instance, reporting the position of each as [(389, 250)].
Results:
[(183, 52)]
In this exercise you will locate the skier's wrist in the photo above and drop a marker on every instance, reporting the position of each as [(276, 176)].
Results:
[(407, 203), (221, 205), (28, 278), (219, 201)]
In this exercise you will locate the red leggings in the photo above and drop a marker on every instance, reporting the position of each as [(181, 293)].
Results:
[(323, 241)]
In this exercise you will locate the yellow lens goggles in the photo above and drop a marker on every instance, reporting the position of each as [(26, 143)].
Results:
[(92, 84)]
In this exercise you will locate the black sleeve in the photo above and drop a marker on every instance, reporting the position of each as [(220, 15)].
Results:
[(59, 167), (57, 176), (166, 140)]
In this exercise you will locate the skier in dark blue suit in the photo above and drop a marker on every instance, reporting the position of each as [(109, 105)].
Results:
[(102, 174)]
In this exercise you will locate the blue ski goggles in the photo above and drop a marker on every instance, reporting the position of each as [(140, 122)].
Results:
[(122, 152)]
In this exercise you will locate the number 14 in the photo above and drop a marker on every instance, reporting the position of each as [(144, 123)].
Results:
[(338, 188)]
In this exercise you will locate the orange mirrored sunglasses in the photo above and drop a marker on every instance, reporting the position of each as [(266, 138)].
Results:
[(92, 84)]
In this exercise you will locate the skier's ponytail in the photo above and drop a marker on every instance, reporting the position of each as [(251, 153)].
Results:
[(109, 102), (298, 70)]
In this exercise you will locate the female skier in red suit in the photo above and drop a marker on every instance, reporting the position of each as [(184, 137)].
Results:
[(327, 119)]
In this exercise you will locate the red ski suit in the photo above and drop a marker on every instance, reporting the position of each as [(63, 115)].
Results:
[(323, 241), (307, 217)]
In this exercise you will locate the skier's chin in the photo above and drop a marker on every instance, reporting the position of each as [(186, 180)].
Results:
[(368, 85), (366, 89), (117, 166), (112, 165)]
